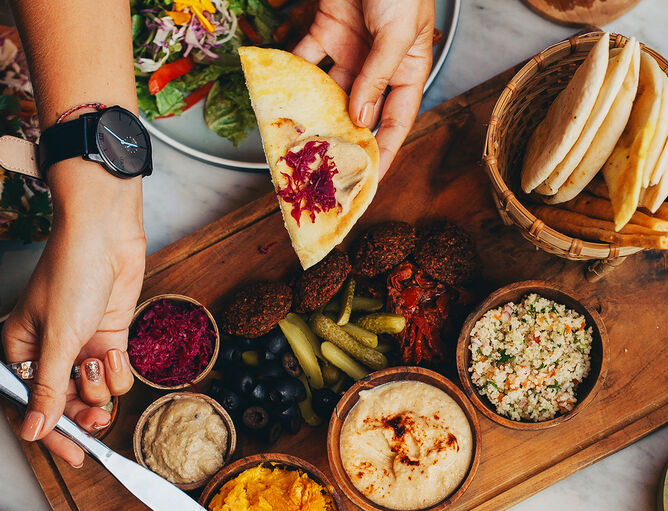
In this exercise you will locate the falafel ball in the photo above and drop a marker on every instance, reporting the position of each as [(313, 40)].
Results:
[(317, 285), (382, 247), (446, 253), (255, 309)]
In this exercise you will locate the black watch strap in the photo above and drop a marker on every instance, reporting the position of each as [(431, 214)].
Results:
[(66, 140)]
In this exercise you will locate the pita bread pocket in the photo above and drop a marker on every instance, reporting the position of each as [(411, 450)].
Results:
[(616, 73), (324, 168), (623, 171), (657, 159), (557, 133), (606, 137)]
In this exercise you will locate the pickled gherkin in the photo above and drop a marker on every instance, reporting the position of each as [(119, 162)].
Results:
[(328, 330), (360, 334), (304, 352), (339, 358), (347, 297), (382, 323)]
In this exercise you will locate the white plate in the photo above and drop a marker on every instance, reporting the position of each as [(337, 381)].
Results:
[(189, 134)]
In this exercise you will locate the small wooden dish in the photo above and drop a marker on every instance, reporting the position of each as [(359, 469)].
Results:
[(586, 391), (391, 375), (177, 298), (236, 468), (138, 435)]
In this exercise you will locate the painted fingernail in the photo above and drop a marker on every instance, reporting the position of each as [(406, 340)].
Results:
[(92, 371), (32, 425), (98, 427), (115, 360), (366, 113)]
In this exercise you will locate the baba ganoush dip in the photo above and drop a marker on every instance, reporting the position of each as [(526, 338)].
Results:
[(406, 445), (185, 440)]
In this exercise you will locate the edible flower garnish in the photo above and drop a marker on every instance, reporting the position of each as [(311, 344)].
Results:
[(310, 187), (200, 27)]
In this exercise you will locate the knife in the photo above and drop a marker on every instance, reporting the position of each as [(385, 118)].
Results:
[(154, 491)]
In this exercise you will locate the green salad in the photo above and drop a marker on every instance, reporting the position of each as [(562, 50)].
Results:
[(186, 51)]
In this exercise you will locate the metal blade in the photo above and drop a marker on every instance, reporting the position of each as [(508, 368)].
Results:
[(154, 491)]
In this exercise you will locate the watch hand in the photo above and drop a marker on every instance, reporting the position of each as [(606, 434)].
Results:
[(123, 142)]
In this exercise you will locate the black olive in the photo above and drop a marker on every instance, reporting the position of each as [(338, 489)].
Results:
[(276, 342), (230, 400), (271, 369), (271, 433), (291, 419), (324, 402), (291, 365), (255, 418), (246, 343), (243, 380), (267, 356), (215, 389), (229, 355), (287, 390), (260, 392)]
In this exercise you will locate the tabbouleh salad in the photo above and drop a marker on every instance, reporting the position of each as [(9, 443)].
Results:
[(529, 358)]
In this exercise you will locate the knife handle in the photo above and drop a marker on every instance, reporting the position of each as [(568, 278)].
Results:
[(13, 388)]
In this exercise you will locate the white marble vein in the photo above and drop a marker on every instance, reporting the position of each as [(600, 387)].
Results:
[(185, 194)]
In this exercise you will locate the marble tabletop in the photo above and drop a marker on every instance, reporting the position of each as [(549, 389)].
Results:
[(184, 194)]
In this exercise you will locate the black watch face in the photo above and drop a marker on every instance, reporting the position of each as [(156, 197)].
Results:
[(123, 142)]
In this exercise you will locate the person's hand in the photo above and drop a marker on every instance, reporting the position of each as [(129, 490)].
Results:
[(376, 43), (78, 306)]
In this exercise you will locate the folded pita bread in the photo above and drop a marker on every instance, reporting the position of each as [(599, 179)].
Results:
[(305, 127), (653, 170), (654, 196), (623, 172), (606, 137), (618, 68), (565, 118)]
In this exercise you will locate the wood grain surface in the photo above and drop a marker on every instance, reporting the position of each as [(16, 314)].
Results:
[(581, 12), (436, 175)]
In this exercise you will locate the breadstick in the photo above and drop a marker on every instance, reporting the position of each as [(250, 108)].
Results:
[(596, 207), (581, 226), (598, 187)]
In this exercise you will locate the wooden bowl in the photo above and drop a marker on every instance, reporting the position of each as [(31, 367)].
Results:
[(233, 470), (137, 437), (391, 375), (513, 293), (178, 298)]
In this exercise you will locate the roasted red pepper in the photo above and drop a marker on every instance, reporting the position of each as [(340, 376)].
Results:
[(425, 305), (248, 30), (193, 98), (169, 72)]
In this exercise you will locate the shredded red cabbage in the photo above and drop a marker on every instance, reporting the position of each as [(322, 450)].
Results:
[(310, 190), (171, 342)]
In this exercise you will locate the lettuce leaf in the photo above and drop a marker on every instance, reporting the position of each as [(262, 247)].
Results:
[(228, 110)]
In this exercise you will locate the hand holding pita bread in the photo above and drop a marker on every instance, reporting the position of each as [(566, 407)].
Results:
[(376, 43)]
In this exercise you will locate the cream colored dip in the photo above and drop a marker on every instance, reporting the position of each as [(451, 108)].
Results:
[(185, 440), (351, 162), (406, 445)]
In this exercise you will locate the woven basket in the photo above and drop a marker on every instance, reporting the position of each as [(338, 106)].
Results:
[(521, 107)]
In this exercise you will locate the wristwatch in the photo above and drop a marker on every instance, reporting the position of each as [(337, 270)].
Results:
[(113, 137)]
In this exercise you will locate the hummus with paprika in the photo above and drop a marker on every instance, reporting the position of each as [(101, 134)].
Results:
[(406, 445), (270, 488), (185, 440)]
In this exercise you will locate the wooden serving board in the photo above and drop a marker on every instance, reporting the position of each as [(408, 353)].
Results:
[(436, 175), (581, 12)]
